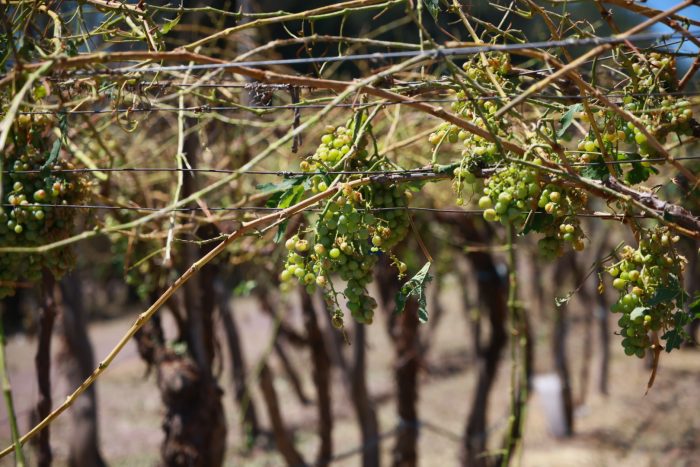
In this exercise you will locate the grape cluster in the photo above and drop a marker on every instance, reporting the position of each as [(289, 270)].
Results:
[(509, 196), (477, 151), (661, 114), (336, 143), (507, 192), (346, 241), (30, 214), (654, 71), (649, 281), (563, 227)]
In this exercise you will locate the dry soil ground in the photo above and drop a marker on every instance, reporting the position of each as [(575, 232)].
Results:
[(625, 428)]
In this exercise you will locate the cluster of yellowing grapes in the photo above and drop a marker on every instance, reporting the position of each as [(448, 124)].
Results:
[(347, 239), (649, 280), (356, 225), (477, 151), (336, 144), (645, 96), (31, 212)]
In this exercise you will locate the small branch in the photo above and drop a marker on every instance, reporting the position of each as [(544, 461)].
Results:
[(7, 394), (342, 7)]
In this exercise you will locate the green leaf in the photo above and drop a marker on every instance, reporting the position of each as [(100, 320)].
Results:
[(673, 339), (56, 148), (694, 307), (639, 173), (39, 92), (666, 292), (284, 185), (415, 287), (596, 172), (681, 319), (167, 27), (244, 288), (280, 231), (433, 7), (568, 118), (291, 196), (283, 201), (537, 221)]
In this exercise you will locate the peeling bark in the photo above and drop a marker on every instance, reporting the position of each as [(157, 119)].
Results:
[(42, 361), (283, 439), (77, 362), (248, 419), (321, 378)]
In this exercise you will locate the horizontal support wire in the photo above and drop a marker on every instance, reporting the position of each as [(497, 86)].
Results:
[(478, 212), (286, 86), (428, 54), (204, 109), (285, 173)]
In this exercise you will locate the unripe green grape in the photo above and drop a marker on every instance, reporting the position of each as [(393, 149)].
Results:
[(619, 283), (490, 215), (640, 138), (485, 202), (285, 275)]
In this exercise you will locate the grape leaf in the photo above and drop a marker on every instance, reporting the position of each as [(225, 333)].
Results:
[(639, 173), (596, 171), (694, 307), (433, 7), (673, 340), (666, 292), (537, 221), (56, 148), (568, 118), (169, 25), (287, 198), (284, 185), (415, 287), (244, 288)]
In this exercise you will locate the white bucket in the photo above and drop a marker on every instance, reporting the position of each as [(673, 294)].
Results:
[(548, 388)]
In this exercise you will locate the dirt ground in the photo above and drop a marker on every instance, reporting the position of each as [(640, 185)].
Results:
[(624, 428)]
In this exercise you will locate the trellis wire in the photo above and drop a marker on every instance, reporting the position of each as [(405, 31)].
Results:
[(286, 173), (599, 215), (381, 56), (203, 109), (408, 83)]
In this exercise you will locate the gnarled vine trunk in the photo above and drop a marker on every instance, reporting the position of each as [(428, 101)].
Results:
[(321, 377), (77, 363), (42, 362), (403, 329), (248, 417)]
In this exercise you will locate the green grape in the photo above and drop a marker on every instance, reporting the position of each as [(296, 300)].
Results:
[(26, 224), (642, 311), (354, 227)]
